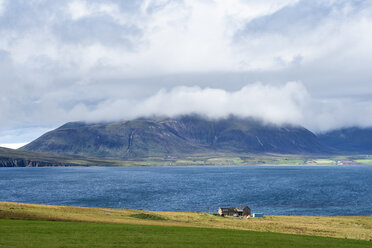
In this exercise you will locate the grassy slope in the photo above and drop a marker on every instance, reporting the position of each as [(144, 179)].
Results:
[(270, 159), (352, 227), (21, 233)]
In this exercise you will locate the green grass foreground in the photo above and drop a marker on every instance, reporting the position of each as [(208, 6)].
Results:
[(33, 233)]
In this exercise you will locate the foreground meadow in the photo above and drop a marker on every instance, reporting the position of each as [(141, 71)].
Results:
[(351, 227), (34, 233)]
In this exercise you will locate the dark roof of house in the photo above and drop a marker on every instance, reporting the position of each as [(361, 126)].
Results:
[(242, 207), (226, 208)]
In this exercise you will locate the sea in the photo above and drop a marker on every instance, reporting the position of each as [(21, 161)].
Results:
[(271, 190)]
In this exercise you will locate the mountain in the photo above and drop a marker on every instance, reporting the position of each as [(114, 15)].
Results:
[(355, 140), (174, 136)]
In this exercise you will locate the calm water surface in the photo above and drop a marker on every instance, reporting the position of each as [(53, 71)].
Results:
[(275, 190)]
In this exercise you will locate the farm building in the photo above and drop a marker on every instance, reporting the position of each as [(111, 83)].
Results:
[(226, 211), (239, 211)]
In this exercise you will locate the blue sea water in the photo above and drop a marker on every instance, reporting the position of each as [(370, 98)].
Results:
[(273, 190)]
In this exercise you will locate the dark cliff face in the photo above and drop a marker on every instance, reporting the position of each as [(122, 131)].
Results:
[(171, 136), (354, 140), (10, 162), (246, 135), (18, 158)]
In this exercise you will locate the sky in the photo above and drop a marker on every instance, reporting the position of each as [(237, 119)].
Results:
[(293, 62)]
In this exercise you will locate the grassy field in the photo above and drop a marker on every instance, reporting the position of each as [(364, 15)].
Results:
[(31, 233), (351, 227)]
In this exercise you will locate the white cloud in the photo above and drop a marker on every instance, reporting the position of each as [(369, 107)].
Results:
[(17, 137), (2, 6), (289, 103), (91, 60), (195, 36), (270, 103), (284, 104), (13, 145), (79, 9)]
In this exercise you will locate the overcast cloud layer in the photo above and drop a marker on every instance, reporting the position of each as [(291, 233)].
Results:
[(282, 61)]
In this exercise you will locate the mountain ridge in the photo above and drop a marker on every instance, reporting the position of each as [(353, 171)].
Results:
[(188, 134), (349, 140)]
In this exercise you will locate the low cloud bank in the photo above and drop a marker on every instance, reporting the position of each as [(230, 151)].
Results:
[(279, 105), (289, 103)]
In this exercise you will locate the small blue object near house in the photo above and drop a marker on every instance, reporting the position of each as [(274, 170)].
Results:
[(257, 215)]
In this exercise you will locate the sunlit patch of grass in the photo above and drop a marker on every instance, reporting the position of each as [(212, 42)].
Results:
[(225, 161), (324, 161), (364, 161)]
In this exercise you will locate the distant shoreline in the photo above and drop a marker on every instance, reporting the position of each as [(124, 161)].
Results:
[(191, 165), (20, 158)]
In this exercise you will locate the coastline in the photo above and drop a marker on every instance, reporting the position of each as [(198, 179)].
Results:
[(20, 158)]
